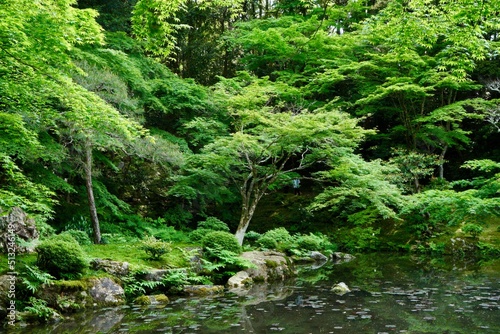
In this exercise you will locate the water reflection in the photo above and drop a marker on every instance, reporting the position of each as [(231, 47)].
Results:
[(388, 295)]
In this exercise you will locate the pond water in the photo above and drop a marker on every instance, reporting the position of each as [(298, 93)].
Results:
[(389, 294)]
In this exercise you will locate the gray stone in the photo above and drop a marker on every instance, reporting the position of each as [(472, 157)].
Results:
[(24, 228), (268, 266), (104, 291), (340, 288), (111, 267), (6, 283), (239, 280), (318, 257), (65, 296), (339, 257)]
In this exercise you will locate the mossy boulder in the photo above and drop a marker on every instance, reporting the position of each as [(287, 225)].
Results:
[(268, 267), (74, 295), (66, 296), (203, 290), (160, 299), (106, 292)]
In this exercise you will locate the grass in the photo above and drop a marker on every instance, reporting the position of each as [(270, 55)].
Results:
[(21, 261), (136, 257), (120, 251)]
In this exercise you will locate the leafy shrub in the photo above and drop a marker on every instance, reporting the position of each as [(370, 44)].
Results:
[(309, 242), (251, 237), (79, 223), (61, 256), (155, 248), (80, 236), (268, 242), (64, 237), (198, 234), (32, 278), (168, 233), (488, 250), (473, 229), (220, 240), (212, 223), (135, 286), (279, 236), (44, 229), (39, 310), (359, 239)]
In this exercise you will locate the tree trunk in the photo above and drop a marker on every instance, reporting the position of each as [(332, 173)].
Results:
[(87, 166), (246, 217), (441, 162)]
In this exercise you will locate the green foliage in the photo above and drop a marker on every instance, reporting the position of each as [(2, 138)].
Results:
[(135, 286), (413, 167), (251, 237), (488, 250), (155, 248), (81, 237), (473, 229), (178, 217), (198, 234), (359, 239), (61, 256), (152, 23), (312, 242), (39, 310), (18, 190), (32, 278), (220, 241), (364, 192), (79, 223), (280, 234), (278, 238), (222, 264), (212, 223), (168, 233), (267, 242), (438, 208), (175, 280)]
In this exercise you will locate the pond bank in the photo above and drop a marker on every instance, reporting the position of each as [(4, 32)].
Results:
[(388, 293)]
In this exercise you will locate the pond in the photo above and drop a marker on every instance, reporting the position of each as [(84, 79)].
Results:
[(389, 294)]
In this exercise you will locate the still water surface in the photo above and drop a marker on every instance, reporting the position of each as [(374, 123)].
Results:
[(389, 294)]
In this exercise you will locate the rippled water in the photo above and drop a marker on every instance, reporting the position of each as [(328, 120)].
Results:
[(388, 295)]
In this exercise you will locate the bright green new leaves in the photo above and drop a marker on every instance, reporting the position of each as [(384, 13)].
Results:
[(19, 191), (271, 138), (154, 23), (454, 32), (39, 34), (364, 192)]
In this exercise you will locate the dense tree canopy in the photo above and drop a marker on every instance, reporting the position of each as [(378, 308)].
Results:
[(388, 110)]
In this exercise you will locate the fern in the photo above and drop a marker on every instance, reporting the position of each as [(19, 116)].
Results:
[(39, 309), (33, 278)]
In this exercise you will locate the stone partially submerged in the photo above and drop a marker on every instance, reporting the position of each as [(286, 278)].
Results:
[(340, 289), (267, 267), (339, 257)]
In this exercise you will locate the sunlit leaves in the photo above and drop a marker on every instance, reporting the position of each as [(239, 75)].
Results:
[(154, 23), (364, 192)]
